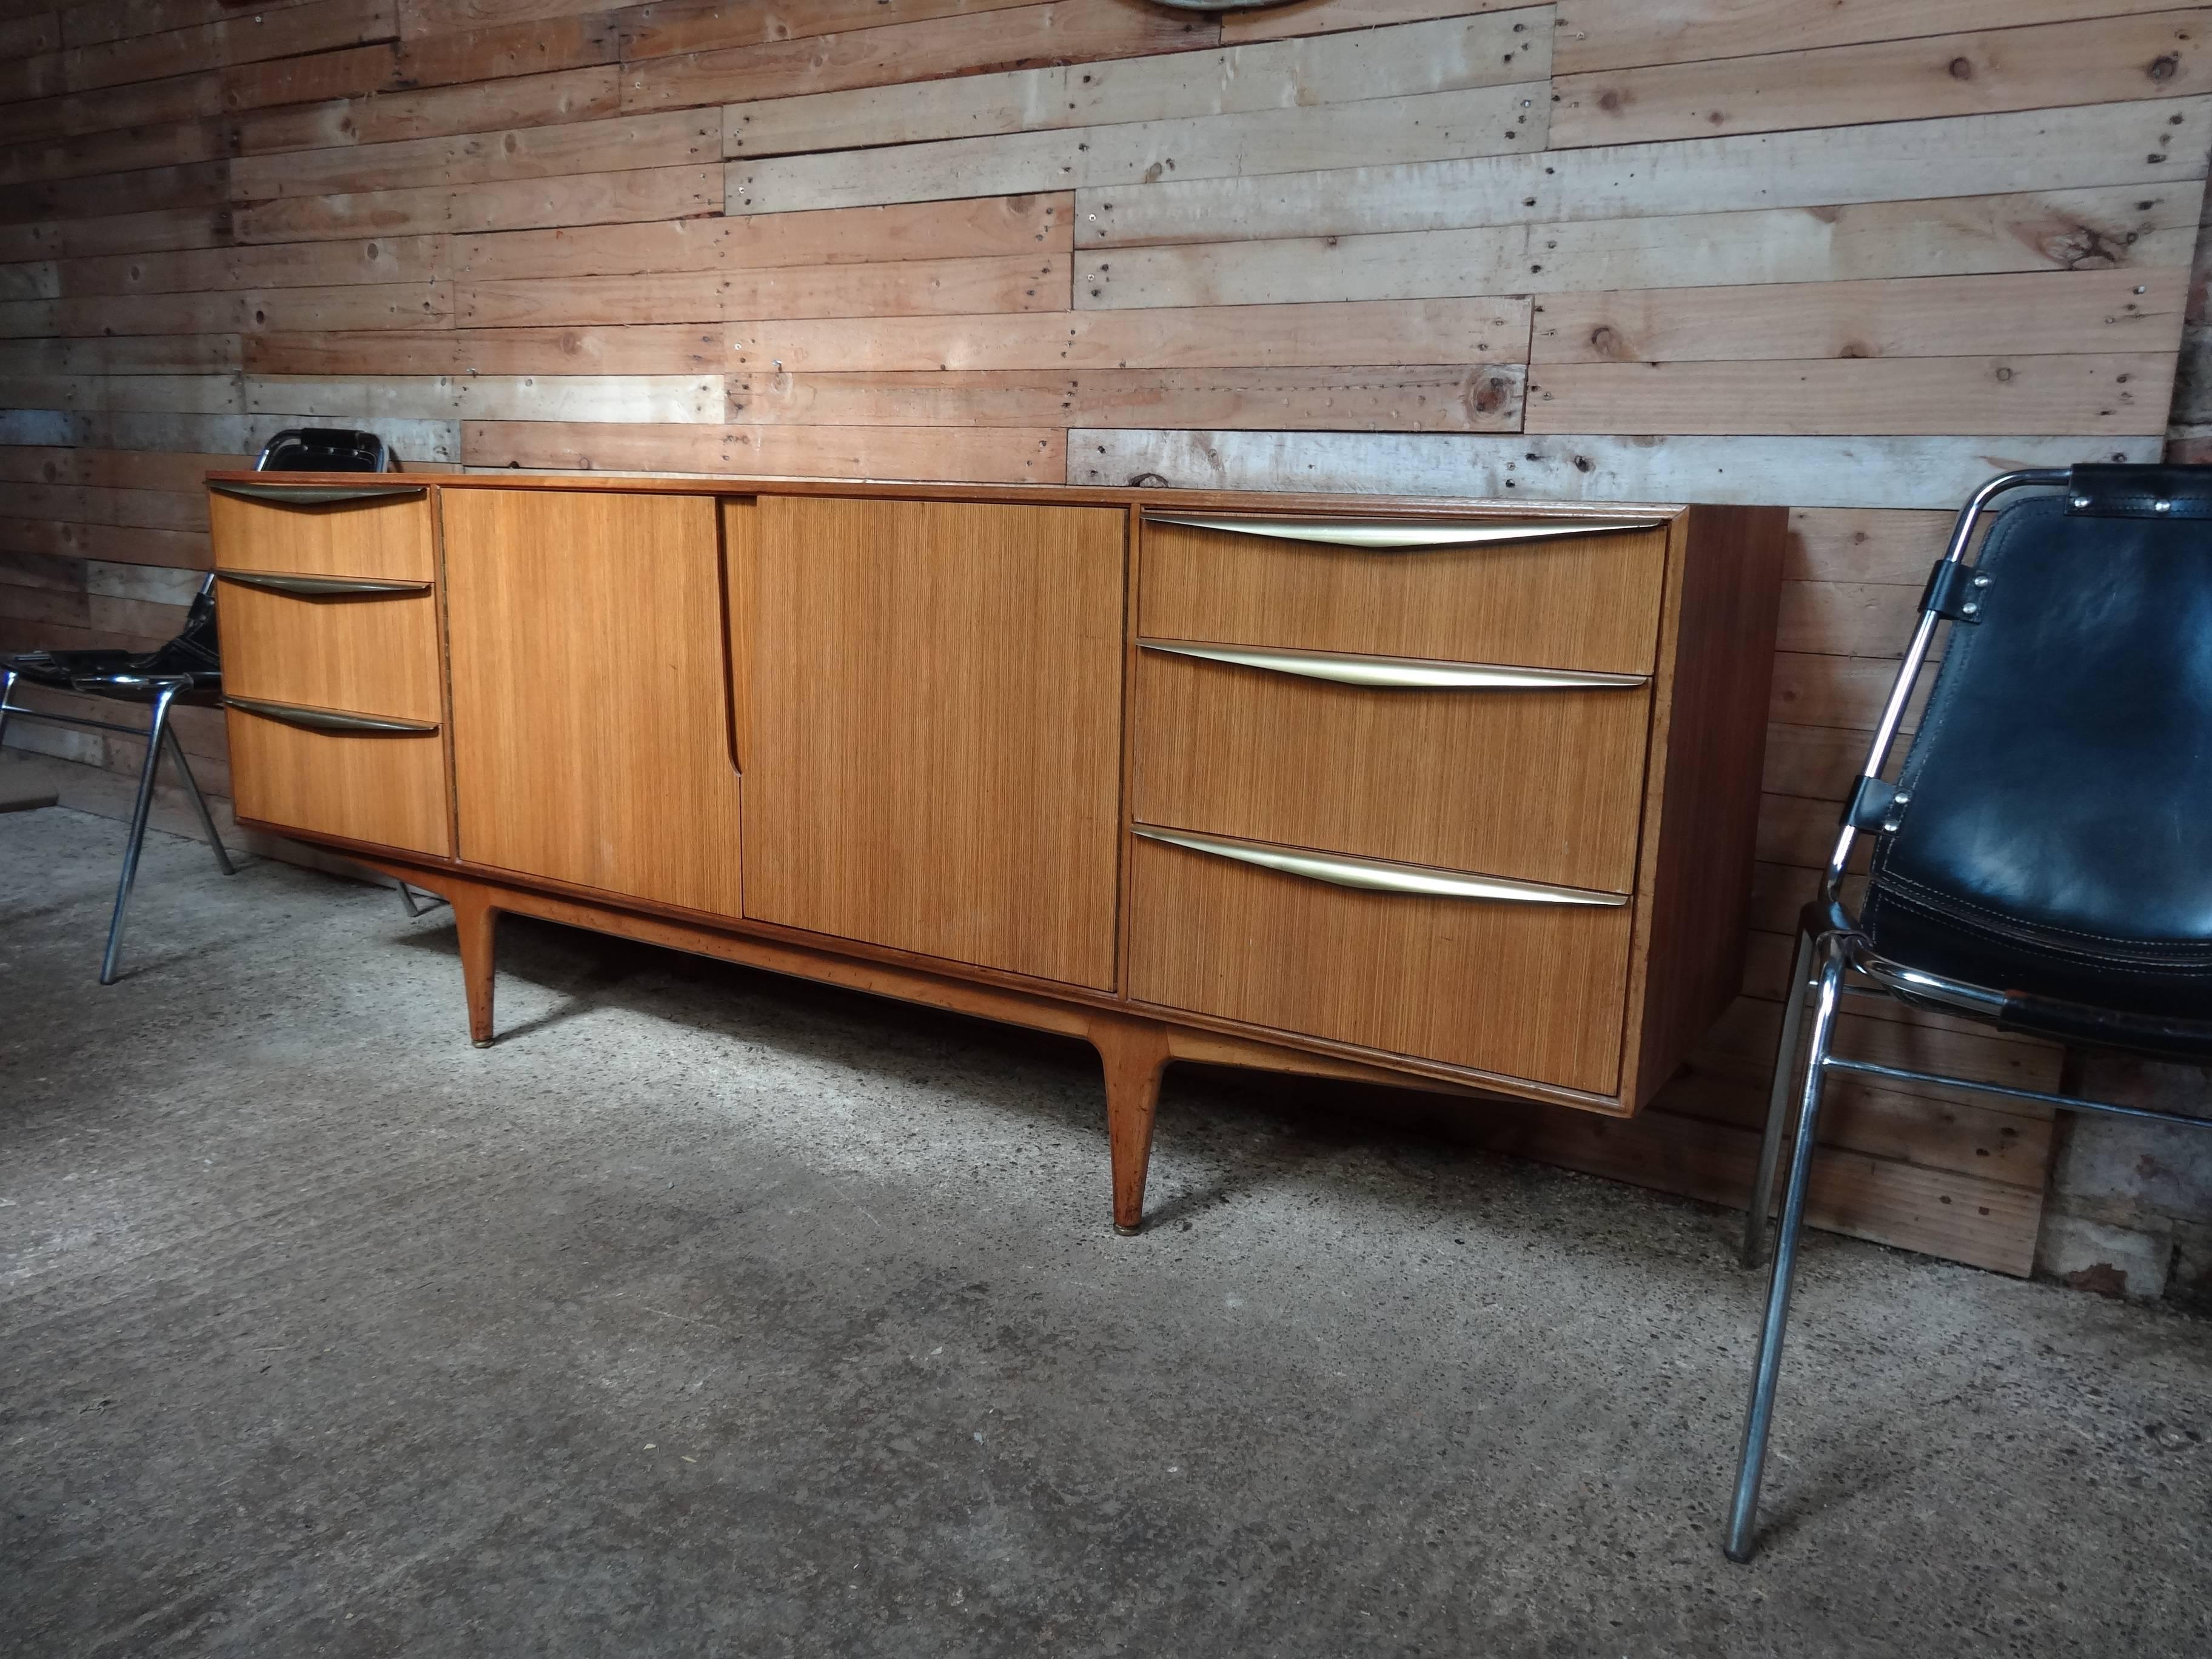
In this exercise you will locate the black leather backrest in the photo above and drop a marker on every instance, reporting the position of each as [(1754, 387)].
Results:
[(325, 449), (2062, 779)]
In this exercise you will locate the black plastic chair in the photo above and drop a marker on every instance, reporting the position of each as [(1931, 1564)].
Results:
[(187, 670), (2044, 861)]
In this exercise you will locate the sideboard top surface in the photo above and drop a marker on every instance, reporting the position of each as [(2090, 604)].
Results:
[(1176, 501)]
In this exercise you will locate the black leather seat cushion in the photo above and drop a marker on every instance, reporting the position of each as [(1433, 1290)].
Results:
[(2057, 842)]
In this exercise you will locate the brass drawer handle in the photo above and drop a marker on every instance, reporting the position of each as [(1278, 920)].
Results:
[(1403, 673), (1376, 877), (1406, 535), (331, 720), (315, 587), (317, 495)]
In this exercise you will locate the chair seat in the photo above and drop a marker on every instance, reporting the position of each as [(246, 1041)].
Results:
[(124, 676)]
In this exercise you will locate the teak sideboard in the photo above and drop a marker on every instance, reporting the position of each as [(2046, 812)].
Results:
[(1450, 793)]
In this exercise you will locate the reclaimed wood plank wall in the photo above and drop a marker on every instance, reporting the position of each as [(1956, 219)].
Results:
[(1850, 259)]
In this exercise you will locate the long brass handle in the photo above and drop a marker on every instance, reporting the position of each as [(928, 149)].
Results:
[(316, 587), (331, 720), (1400, 673), (316, 494), (1373, 877), (1406, 535)]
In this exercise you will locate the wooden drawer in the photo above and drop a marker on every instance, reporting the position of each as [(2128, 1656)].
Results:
[(1508, 985), (385, 787), (331, 643), (1536, 592), (378, 529), (1537, 774)]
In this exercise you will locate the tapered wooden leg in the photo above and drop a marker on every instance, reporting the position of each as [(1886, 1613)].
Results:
[(1134, 1053), (478, 923)]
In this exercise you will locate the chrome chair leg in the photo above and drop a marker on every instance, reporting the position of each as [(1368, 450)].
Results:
[(138, 816), (1743, 1511), (1778, 1106), (407, 898), (199, 801), (7, 697)]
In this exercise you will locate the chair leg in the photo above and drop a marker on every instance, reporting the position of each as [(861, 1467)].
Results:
[(7, 697), (1743, 1511), (160, 728), (199, 801), (1777, 1107)]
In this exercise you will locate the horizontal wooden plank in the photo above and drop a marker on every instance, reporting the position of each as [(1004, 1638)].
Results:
[(158, 231), (2144, 226), (1847, 618), (1322, 17), (1422, 399), (1062, 32), (906, 287), (514, 204), (2155, 54), (149, 189), (934, 230), (150, 103), (1600, 34), (670, 350), (2093, 395), (1863, 544), (667, 399), (113, 469), (1813, 689), (1385, 63), (621, 143), (132, 148), (1897, 160), (278, 32), (118, 543), (37, 279), (380, 260), (522, 101), (983, 455), (354, 72), (668, 30), (129, 354), (509, 50), (150, 509), (43, 428), (1482, 331), (2122, 309), (89, 22), (189, 394), (1430, 126), (1849, 471)]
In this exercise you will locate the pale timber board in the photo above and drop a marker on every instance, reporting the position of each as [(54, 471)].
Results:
[(144, 509), (1444, 56), (352, 72), (1397, 399), (1598, 34), (665, 31), (2141, 225), (37, 279), (981, 455), (362, 306), (668, 399), (2023, 313), (1067, 32), (179, 98), (1322, 17), (1838, 471), (1864, 545), (525, 100), (906, 287), (127, 354), (507, 51), (127, 470), (512, 205), (1896, 160), (92, 22), (281, 31), (1319, 335), (140, 232), (2101, 395), (130, 149), (628, 143), (930, 230), (636, 350), (1430, 126), (380, 260), (2153, 56), (182, 394)]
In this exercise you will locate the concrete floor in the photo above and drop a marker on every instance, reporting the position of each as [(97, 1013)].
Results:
[(712, 1314)]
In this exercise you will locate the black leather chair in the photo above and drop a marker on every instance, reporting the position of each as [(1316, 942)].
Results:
[(188, 670), (2044, 860)]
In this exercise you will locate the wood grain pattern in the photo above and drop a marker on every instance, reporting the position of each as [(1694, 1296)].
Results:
[(950, 789), (362, 656), (1536, 785), (386, 789), (385, 540), (1525, 990), (1578, 602), (591, 726)]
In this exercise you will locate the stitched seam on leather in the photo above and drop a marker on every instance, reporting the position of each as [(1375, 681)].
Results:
[(1941, 901)]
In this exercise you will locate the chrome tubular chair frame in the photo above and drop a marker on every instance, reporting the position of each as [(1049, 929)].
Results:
[(160, 691), (1835, 958)]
